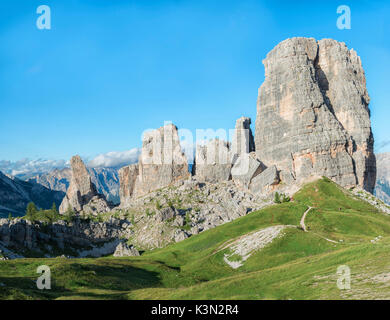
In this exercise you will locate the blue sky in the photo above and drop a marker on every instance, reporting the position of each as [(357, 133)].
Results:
[(108, 70)]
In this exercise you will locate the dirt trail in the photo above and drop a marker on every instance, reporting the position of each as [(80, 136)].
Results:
[(302, 223)]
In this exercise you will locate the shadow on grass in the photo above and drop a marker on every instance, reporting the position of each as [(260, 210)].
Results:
[(81, 280)]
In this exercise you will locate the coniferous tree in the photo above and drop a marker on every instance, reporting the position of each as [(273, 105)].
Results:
[(70, 215), (31, 211), (277, 198), (54, 208)]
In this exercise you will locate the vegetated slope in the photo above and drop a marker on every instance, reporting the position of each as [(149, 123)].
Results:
[(341, 230)]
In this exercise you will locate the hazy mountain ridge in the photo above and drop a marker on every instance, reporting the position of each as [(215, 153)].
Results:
[(15, 194), (106, 181), (382, 188)]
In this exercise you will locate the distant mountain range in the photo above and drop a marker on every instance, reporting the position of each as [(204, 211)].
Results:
[(46, 181), (55, 174), (382, 189), (26, 168), (106, 181), (15, 194)]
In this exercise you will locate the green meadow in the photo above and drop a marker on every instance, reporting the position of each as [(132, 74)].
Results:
[(342, 230)]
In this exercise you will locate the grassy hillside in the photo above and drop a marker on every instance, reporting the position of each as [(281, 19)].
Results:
[(342, 230)]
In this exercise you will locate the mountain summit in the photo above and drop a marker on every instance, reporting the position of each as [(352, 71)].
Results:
[(313, 116)]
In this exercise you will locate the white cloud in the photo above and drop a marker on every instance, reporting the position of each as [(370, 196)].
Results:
[(115, 159), (31, 167)]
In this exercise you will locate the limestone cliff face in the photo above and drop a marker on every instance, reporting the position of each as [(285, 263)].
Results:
[(82, 191), (312, 114), (127, 176), (212, 161), (162, 160), (243, 141), (161, 163)]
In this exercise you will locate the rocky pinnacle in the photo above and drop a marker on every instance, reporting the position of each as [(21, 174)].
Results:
[(81, 189), (312, 114)]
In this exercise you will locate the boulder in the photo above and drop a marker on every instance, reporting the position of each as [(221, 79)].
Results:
[(245, 168), (124, 250), (262, 182), (165, 214)]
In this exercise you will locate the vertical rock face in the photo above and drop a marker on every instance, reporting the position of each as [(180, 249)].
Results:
[(343, 83), (162, 160), (243, 141), (212, 161), (246, 166), (81, 189), (312, 114), (127, 177), (218, 160), (161, 163)]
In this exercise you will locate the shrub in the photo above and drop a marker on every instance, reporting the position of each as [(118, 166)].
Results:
[(170, 203), (285, 198), (69, 215)]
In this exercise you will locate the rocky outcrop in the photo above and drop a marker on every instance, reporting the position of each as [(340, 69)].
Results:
[(218, 161), (80, 238), (162, 162), (382, 188), (124, 250), (127, 177), (312, 114), (245, 168), (243, 141), (213, 161), (82, 194), (187, 208), (246, 165), (265, 180)]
